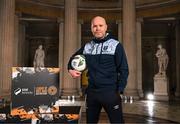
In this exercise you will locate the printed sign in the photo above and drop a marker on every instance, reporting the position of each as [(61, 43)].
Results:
[(31, 89)]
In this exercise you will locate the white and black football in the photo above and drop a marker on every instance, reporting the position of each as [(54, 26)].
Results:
[(79, 63)]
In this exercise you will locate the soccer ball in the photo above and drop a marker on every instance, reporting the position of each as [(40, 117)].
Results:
[(79, 63)]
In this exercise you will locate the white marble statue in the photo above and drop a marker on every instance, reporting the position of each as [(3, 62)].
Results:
[(39, 58), (163, 60)]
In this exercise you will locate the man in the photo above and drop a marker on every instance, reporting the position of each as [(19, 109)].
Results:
[(107, 71), (39, 59)]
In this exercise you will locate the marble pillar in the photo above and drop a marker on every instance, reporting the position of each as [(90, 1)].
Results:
[(61, 49), (7, 11), (129, 43), (70, 46), (177, 30), (22, 45), (80, 22), (26, 44), (139, 56), (16, 40), (120, 37)]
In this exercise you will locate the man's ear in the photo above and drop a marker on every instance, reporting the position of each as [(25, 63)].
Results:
[(106, 27)]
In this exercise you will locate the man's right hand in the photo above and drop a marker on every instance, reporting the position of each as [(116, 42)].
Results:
[(74, 73)]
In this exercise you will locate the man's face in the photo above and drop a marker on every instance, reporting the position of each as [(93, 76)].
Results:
[(98, 27)]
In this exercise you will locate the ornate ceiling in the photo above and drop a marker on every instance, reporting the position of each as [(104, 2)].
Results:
[(102, 3), (111, 9)]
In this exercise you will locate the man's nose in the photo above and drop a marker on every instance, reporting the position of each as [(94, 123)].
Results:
[(98, 28)]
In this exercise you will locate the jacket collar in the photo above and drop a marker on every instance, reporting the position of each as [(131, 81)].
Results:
[(107, 37)]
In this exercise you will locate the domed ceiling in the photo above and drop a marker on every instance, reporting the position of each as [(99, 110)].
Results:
[(102, 3), (113, 8)]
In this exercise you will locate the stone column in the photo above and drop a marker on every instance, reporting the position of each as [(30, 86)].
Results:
[(16, 40), (177, 58), (7, 11), (80, 22), (139, 56), (120, 36), (61, 49), (26, 43), (70, 45), (20, 52), (129, 42), (22, 44)]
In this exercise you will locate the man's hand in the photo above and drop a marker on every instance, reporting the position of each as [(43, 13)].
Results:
[(75, 73)]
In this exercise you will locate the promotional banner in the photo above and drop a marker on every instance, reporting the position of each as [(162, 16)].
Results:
[(31, 89)]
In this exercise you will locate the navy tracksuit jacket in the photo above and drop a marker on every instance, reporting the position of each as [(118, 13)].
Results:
[(106, 63)]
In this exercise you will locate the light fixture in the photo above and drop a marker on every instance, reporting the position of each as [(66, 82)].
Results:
[(150, 96)]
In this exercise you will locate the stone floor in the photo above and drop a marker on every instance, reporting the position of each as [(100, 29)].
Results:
[(149, 112), (143, 111), (131, 118)]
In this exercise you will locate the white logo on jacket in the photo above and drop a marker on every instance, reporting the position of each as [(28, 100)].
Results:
[(109, 47)]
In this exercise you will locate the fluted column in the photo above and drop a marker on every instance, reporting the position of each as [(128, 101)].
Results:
[(139, 56), (20, 49), (177, 30), (16, 40), (129, 42), (80, 22), (25, 44), (70, 45), (120, 37), (61, 49), (7, 11), (22, 45)]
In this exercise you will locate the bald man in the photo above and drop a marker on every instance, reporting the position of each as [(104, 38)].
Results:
[(107, 73)]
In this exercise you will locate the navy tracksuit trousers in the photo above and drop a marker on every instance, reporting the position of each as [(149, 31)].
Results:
[(109, 100)]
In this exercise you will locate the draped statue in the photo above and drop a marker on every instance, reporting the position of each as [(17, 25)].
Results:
[(163, 60), (39, 58)]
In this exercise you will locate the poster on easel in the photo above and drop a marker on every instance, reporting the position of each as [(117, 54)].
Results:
[(32, 89)]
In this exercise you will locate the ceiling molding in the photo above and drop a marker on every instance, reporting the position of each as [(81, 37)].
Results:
[(40, 10)]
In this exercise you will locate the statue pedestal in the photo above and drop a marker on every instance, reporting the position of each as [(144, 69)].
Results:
[(161, 87)]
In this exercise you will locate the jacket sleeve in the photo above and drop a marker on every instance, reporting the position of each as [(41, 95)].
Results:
[(79, 52), (122, 67)]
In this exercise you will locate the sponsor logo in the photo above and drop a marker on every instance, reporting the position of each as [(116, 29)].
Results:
[(116, 106), (26, 91), (23, 91), (17, 91), (52, 90), (44, 90), (41, 90), (105, 48)]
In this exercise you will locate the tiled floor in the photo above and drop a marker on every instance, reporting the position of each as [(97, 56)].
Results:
[(147, 112)]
